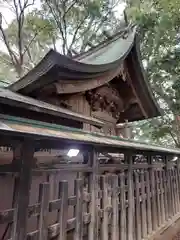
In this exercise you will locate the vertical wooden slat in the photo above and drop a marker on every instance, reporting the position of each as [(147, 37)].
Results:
[(92, 188), (177, 189), (78, 234), (115, 210), (21, 213), (137, 207), (122, 207), (130, 224), (169, 198), (171, 192), (153, 199), (178, 179), (104, 206), (165, 195), (143, 206), (148, 193), (174, 190), (158, 198), (162, 197), (63, 212), (44, 209)]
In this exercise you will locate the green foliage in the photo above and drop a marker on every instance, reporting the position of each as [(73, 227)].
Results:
[(65, 25), (159, 23)]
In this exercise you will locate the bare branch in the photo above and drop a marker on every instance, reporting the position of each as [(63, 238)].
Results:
[(76, 31)]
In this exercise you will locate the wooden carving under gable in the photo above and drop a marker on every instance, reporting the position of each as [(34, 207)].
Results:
[(105, 98)]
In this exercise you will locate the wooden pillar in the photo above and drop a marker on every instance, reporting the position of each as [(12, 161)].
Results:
[(123, 223), (63, 213), (177, 188), (78, 235), (157, 197), (104, 206), (169, 199), (153, 198), (148, 194), (162, 197), (130, 224), (92, 188), (137, 207), (115, 208), (44, 210), (143, 206), (21, 213)]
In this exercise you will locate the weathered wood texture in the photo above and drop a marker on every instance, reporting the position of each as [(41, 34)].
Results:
[(128, 201)]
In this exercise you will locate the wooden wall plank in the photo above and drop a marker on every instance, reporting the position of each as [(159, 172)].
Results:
[(148, 193), (162, 197), (123, 224), (137, 207), (130, 224), (115, 209), (171, 192), (21, 212), (153, 200), (44, 210), (78, 192), (165, 195), (158, 197), (143, 206), (177, 189), (104, 206), (93, 189), (63, 212), (174, 190)]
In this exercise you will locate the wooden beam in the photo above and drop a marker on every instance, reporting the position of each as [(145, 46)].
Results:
[(21, 213), (134, 91)]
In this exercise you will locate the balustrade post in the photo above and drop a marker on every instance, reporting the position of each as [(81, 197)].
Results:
[(24, 184), (168, 179), (93, 228), (130, 223), (178, 182), (153, 195)]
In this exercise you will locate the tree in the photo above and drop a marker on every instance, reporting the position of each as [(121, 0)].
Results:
[(159, 23), (25, 38), (82, 23), (66, 25)]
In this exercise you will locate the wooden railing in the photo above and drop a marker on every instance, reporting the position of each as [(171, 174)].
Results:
[(129, 200)]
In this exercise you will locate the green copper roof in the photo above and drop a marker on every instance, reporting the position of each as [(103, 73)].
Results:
[(111, 51)]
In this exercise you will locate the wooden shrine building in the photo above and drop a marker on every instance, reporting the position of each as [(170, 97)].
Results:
[(114, 188)]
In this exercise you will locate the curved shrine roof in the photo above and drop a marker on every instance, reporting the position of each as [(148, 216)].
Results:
[(92, 69)]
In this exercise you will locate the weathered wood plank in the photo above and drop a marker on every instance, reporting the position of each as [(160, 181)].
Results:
[(162, 197), (63, 212), (174, 190), (137, 208), (153, 200), (104, 206), (78, 192), (21, 212), (171, 192), (44, 210), (143, 206), (177, 189), (149, 213), (165, 195), (115, 210), (123, 223), (93, 189), (130, 224), (158, 198)]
